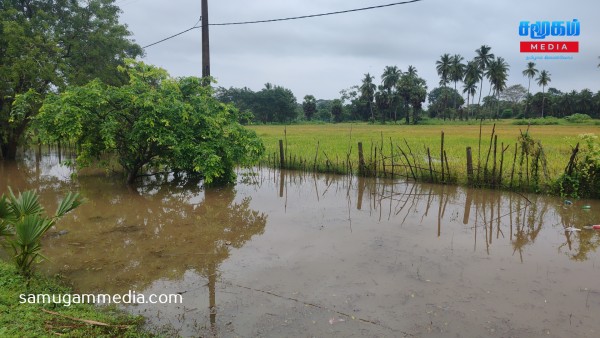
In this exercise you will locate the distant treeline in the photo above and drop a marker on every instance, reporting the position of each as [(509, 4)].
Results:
[(401, 95)]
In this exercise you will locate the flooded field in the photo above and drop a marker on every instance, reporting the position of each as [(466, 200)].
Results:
[(301, 255)]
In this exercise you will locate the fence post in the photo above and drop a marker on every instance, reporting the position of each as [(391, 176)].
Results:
[(361, 159), (281, 155), (442, 156), (469, 166)]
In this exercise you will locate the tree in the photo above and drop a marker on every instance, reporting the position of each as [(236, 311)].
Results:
[(413, 91), (154, 121), (309, 106), (498, 73), (336, 110), (457, 72), (542, 80), (472, 75), (47, 45), (514, 94), (389, 81), (367, 92), (483, 59), (438, 96), (530, 72), (443, 69), (275, 104)]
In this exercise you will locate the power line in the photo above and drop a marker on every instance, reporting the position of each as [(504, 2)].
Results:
[(313, 15), (283, 19)]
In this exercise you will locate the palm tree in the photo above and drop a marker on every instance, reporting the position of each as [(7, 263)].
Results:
[(457, 72), (530, 72), (483, 59), (498, 73), (472, 75), (367, 90), (411, 71), (543, 81), (443, 69), (389, 80)]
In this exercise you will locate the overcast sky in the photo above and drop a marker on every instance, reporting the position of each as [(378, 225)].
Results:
[(321, 56)]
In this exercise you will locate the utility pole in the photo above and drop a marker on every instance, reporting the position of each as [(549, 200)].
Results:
[(205, 44)]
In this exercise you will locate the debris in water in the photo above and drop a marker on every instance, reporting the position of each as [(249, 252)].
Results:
[(572, 229), (334, 320), (586, 207), (596, 227), (567, 202)]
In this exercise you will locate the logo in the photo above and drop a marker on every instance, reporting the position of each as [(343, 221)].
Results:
[(540, 30)]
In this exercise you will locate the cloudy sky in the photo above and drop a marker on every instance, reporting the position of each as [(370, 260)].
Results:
[(321, 56)]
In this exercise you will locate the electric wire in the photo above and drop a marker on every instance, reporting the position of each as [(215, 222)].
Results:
[(282, 19), (313, 15)]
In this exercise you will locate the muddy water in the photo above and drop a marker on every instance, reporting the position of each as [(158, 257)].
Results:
[(289, 254)]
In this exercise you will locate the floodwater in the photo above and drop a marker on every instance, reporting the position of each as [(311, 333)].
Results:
[(300, 255)]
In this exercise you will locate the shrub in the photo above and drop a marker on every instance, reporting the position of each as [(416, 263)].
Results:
[(582, 176), (547, 121), (23, 223), (578, 118)]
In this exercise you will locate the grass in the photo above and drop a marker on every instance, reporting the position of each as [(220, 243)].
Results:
[(32, 320), (336, 141)]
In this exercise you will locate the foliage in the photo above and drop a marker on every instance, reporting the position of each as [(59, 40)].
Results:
[(578, 118), (336, 110), (23, 223), (438, 100), (47, 45), (546, 121), (271, 104), (153, 121), (582, 177), (309, 106)]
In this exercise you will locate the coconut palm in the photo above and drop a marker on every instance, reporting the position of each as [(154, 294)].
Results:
[(498, 74), (443, 69), (530, 72), (472, 75), (457, 71), (367, 90), (543, 81), (389, 81), (411, 71), (483, 59)]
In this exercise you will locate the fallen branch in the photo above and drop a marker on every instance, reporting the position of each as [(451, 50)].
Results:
[(87, 321)]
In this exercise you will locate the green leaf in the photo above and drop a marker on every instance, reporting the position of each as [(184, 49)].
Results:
[(70, 202), (26, 204)]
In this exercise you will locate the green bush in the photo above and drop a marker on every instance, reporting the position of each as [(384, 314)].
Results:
[(23, 223), (547, 121), (578, 118), (583, 180)]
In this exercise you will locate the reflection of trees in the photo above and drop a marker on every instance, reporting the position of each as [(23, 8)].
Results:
[(134, 238)]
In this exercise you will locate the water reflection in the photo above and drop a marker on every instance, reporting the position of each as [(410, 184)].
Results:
[(490, 215), (303, 235)]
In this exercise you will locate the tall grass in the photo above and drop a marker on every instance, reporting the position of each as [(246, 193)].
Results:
[(334, 148)]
